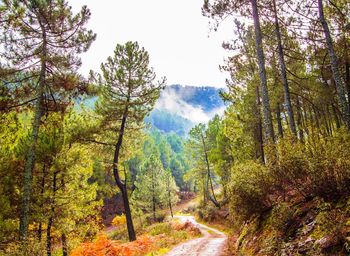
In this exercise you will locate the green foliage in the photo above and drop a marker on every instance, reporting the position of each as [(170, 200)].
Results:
[(320, 170), (249, 189), (150, 192)]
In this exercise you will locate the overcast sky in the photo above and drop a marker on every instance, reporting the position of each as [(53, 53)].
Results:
[(174, 32)]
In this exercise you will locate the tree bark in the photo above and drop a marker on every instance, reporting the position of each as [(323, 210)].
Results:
[(267, 118), (31, 153), (259, 128), (299, 121), (170, 206), (42, 203), (50, 222), (339, 83), (279, 121), (64, 245), (283, 73), (48, 237), (211, 197), (122, 186)]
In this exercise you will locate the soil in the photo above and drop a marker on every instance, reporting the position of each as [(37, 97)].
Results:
[(212, 243)]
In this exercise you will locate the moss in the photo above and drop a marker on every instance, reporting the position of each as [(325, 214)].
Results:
[(317, 233)]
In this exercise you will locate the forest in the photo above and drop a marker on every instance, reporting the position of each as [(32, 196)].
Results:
[(90, 166)]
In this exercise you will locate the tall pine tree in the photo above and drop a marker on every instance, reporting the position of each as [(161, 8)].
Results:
[(40, 42)]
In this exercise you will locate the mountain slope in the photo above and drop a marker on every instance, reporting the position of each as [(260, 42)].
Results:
[(179, 108)]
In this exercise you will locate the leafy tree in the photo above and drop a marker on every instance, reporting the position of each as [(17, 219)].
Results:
[(128, 95), (40, 40)]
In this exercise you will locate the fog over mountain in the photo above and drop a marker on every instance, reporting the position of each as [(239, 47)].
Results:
[(179, 107)]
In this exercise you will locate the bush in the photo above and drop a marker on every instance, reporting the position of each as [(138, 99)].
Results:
[(30, 247), (119, 220), (330, 167), (249, 189), (282, 217), (290, 168), (320, 169)]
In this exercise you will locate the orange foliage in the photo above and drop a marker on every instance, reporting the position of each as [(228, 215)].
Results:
[(187, 226), (104, 247)]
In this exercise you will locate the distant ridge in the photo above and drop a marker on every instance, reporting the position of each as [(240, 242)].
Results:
[(180, 107)]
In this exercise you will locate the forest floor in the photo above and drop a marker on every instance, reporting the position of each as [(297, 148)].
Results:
[(213, 242)]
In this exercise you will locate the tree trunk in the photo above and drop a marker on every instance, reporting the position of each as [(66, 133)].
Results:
[(129, 222), (170, 206), (283, 71), (347, 76), (64, 245), (31, 153), (42, 189), (153, 198), (48, 237), (339, 83), (50, 222), (299, 121), (337, 122), (267, 118), (120, 184), (259, 128), (211, 197), (279, 121)]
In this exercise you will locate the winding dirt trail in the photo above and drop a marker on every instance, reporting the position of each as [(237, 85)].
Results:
[(212, 243)]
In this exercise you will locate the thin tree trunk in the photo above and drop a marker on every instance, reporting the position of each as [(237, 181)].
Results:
[(122, 186), (170, 206), (267, 118), (42, 202), (50, 222), (339, 83), (347, 75), (337, 122), (153, 197), (279, 121), (212, 198), (299, 121), (48, 237), (31, 153), (64, 245), (259, 129), (283, 71), (169, 195)]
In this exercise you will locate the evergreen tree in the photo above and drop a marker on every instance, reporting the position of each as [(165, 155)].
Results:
[(40, 40), (152, 190), (338, 79), (171, 190), (128, 95)]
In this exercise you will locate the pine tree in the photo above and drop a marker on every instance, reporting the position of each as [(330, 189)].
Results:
[(338, 79), (198, 143), (171, 190), (128, 94), (151, 186), (40, 41)]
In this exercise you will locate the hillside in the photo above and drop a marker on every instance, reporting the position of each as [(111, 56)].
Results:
[(180, 107)]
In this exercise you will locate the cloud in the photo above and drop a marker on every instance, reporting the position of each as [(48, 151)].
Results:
[(173, 102)]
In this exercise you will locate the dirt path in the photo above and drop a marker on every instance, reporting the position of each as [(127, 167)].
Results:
[(211, 244)]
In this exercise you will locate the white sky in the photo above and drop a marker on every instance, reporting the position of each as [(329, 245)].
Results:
[(174, 32)]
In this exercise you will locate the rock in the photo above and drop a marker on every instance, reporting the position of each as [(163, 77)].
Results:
[(327, 242), (308, 228), (306, 245)]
